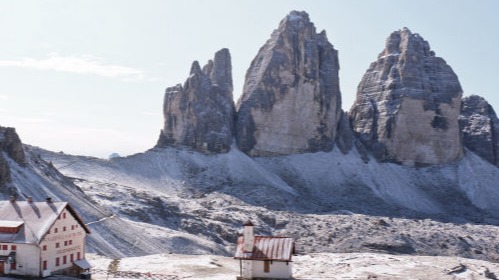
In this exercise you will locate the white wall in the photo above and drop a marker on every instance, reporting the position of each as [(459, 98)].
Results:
[(27, 260), (247, 269), (277, 270), (76, 235)]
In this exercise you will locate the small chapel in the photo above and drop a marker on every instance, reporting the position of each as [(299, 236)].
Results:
[(264, 257)]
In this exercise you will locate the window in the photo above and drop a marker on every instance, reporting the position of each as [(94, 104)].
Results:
[(70, 242), (12, 266), (44, 265), (266, 266), (64, 260), (13, 247), (78, 256), (44, 247), (55, 230), (64, 229), (48, 232), (71, 258), (72, 227), (5, 247), (64, 215), (66, 243), (57, 245), (57, 261)]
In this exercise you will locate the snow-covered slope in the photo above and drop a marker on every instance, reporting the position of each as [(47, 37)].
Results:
[(330, 202), (111, 235)]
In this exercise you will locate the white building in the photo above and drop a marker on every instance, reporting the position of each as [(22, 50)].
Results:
[(41, 238), (264, 257)]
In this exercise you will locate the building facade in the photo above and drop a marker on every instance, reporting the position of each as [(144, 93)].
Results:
[(264, 257), (41, 238)]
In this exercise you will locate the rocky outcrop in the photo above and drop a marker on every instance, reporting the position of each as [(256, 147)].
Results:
[(10, 145), (200, 114), (480, 127), (4, 171), (408, 103), (291, 99)]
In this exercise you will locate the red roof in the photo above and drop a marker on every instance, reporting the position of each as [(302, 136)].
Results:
[(270, 248)]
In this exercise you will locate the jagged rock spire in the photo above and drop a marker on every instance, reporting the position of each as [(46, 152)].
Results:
[(291, 101), (408, 104), (200, 114)]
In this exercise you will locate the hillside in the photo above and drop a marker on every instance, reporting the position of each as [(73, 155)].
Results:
[(111, 235), (329, 201)]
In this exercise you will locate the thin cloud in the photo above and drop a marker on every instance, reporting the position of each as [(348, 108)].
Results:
[(76, 64), (33, 120)]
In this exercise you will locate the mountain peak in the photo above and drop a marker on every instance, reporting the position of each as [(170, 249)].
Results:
[(199, 115), (296, 22), (195, 68), (407, 104), (291, 101), (297, 16), (404, 42)]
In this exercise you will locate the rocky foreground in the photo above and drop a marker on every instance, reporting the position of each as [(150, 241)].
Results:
[(312, 266)]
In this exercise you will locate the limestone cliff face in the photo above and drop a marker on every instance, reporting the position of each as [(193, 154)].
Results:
[(408, 104), (291, 99), (480, 127), (200, 114)]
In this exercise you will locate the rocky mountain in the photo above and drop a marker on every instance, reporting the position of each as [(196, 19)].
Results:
[(191, 193), (408, 104), (291, 101), (480, 127), (200, 114)]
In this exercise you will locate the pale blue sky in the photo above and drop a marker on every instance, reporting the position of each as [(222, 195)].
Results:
[(88, 77)]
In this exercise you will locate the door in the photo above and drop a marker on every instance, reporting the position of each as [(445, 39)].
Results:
[(2, 271)]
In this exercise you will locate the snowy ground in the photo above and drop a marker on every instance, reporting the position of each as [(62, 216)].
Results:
[(313, 266), (190, 203)]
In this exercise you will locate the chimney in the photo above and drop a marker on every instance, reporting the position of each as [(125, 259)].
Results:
[(30, 199), (12, 199), (49, 200), (249, 237)]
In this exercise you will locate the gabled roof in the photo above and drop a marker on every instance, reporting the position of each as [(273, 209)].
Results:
[(271, 248), (38, 218)]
